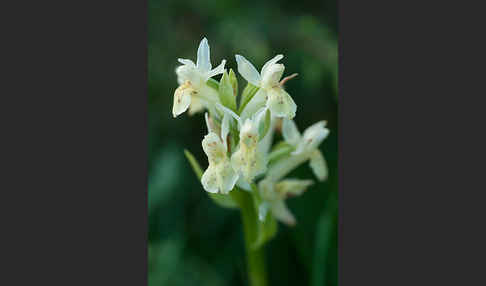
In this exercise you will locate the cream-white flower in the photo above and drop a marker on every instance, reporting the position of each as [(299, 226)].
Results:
[(271, 92), (249, 159), (274, 189), (219, 176), (193, 92), (306, 148), (274, 195)]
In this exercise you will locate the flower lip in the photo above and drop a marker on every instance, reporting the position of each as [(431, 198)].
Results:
[(182, 98), (281, 103), (219, 176), (247, 159)]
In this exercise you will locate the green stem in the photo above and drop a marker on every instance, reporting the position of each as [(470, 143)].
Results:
[(255, 258)]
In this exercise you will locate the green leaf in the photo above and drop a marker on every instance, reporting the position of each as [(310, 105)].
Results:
[(326, 228), (323, 238), (279, 151), (222, 200), (213, 83), (265, 125), (226, 93), (165, 257), (194, 164), (248, 93), (234, 82)]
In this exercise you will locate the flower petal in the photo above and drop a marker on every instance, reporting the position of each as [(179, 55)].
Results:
[(272, 75), (250, 163), (284, 166), (248, 160), (254, 105), (225, 129), (270, 63), (281, 103), (217, 70), (182, 100), (242, 184), (318, 165), (209, 180), (208, 124), (313, 136), (247, 70), (282, 213), (292, 186), (248, 132), (186, 73), (187, 62), (266, 188), (203, 61), (214, 148), (257, 117), (266, 143), (290, 132), (227, 177), (261, 164), (237, 160), (196, 105)]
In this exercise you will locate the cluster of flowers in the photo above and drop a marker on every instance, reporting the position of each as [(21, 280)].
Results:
[(239, 140)]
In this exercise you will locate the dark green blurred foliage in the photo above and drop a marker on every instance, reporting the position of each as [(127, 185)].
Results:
[(192, 241)]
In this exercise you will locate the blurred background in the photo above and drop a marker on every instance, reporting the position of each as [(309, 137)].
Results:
[(192, 241)]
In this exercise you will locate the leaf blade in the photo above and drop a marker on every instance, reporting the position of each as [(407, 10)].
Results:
[(248, 93), (226, 92)]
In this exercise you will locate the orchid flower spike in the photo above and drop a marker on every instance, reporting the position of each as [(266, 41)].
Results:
[(271, 90), (193, 92), (219, 176), (273, 198), (248, 159)]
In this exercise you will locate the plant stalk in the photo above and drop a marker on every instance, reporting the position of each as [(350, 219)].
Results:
[(255, 258)]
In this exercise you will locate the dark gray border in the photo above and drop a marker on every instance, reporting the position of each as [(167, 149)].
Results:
[(80, 144), (409, 126)]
